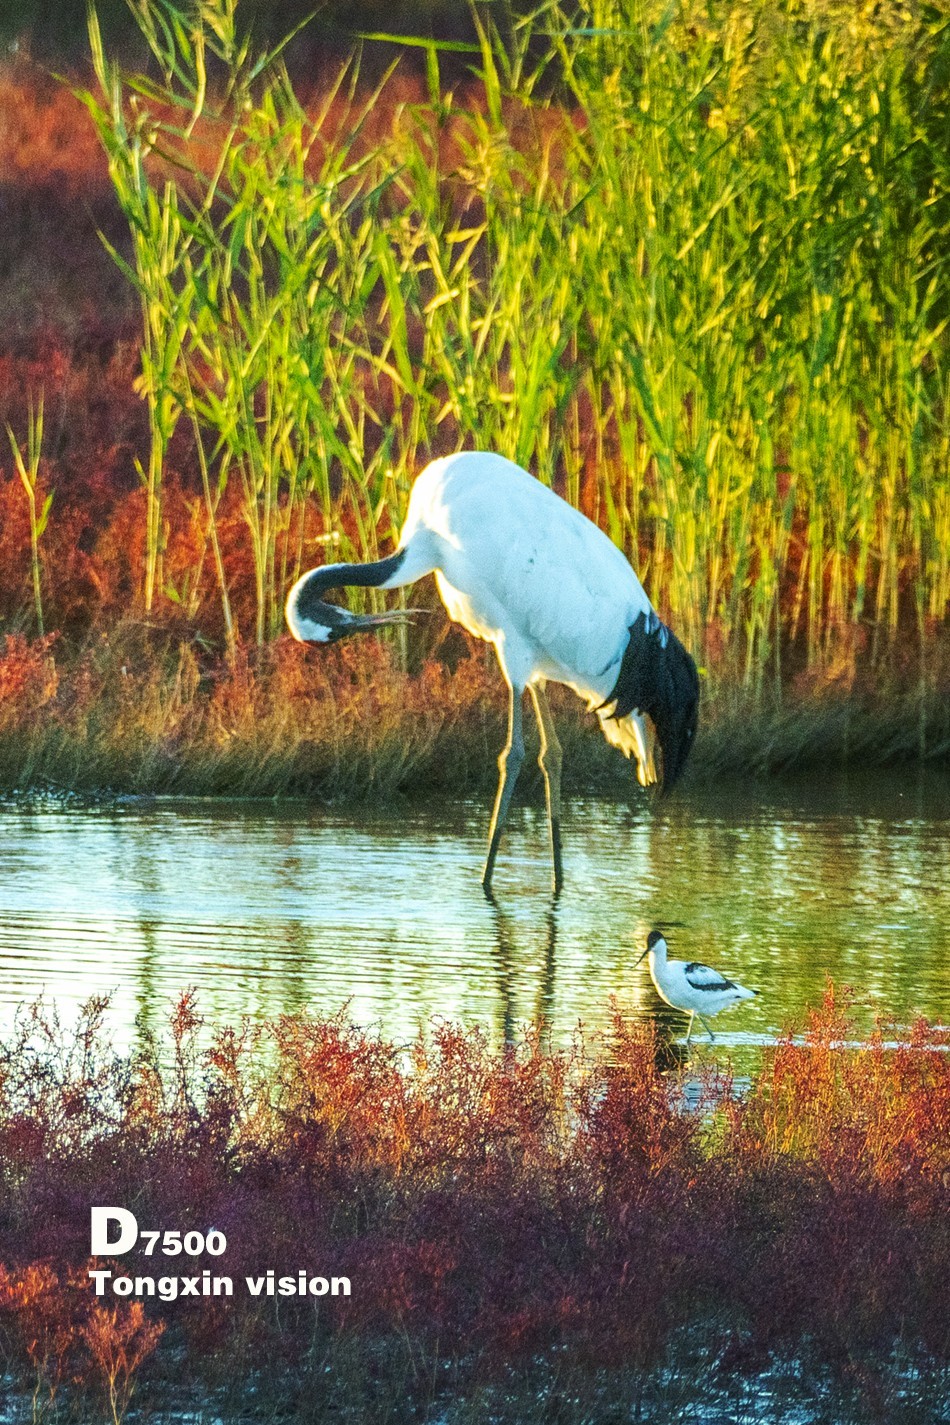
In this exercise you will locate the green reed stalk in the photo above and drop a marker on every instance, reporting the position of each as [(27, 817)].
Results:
[(28, 469)]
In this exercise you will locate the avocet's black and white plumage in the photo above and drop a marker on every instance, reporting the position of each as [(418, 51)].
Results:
[(517, 566), (689, 986)]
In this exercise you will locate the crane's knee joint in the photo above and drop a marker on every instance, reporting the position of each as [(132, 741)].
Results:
[(551, 759), (511, 759)]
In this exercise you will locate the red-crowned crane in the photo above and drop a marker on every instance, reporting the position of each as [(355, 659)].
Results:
[(518, 566)]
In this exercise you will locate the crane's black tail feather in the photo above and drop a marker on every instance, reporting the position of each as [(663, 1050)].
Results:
[(658, 677)]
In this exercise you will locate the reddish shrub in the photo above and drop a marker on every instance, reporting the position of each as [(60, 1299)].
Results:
[(499, 1208)]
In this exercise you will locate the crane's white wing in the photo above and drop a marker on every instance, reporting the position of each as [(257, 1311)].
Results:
[(523, 568)]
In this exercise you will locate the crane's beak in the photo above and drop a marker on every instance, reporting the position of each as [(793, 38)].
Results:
[(346, 623), (357, 622)]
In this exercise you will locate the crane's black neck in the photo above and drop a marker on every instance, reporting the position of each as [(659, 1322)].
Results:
[(310, 603)]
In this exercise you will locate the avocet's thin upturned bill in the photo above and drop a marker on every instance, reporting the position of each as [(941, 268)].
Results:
[(689, 986), (517, 566)]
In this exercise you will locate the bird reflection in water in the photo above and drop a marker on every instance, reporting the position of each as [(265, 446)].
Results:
[(506, 957)]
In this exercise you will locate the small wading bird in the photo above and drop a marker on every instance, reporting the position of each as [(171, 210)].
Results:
[(519, 567), (691, 986)]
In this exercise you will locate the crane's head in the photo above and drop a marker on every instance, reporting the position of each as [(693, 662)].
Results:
[(653, 711)]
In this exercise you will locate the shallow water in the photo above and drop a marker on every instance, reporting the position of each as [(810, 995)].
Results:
[(267, 908)]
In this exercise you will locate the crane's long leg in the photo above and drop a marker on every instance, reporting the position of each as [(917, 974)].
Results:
[(509, 765), (550, 760)]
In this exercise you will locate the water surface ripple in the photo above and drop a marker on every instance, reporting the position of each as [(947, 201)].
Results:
[(266, 909)]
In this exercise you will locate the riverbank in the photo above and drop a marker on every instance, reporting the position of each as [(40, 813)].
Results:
[(141, 711), (519, 1232)]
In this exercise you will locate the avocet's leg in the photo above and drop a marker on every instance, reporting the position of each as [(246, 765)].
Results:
[(550, 760), (705, 1024), (689, 1027), (509, 765)]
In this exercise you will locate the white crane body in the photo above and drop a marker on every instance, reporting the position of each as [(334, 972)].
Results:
[(517, 566), (556, 601)]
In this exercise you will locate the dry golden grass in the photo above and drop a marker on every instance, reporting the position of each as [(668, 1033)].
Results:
[(144, 711)]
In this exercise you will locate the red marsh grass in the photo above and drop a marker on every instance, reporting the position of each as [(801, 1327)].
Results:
[(516, 1226)]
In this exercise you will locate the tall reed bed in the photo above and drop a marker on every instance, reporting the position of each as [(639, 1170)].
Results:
[(686, 262)]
